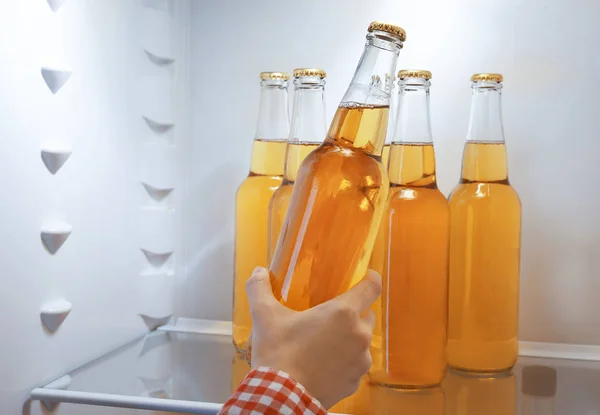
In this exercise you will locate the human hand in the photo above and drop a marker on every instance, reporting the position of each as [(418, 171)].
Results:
[(325, 348)]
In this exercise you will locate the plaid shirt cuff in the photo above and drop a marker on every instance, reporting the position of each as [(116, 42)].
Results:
[(266, 391)]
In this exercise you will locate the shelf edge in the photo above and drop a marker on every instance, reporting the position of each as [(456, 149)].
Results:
[(123, 401), (559, 351), (198, 326)]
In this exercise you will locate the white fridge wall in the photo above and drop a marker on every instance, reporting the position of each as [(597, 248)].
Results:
[(548, 52), (98, 193)]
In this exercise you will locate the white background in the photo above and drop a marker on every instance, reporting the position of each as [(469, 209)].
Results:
[(547, 51)]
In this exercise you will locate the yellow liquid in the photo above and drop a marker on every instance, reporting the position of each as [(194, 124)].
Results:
[(469, 395), (376, 264), (251, 227), (415, 276), (296, 152), (387, 401), (334, 213), (485, 236)]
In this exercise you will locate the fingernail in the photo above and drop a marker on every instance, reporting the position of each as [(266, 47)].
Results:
[(257, 271)]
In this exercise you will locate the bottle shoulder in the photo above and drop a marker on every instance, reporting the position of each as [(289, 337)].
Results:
[(423, 196), (484, 191), (259, 183)]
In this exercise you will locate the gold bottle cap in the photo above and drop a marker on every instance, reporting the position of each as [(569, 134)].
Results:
[(390, 28), (414, 73), (309, 72), (494, 77), (265, 76)]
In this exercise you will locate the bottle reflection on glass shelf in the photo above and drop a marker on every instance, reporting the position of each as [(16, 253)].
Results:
[(477, 395), (539, 389), (239, 370), (388, 401), (357, 403)]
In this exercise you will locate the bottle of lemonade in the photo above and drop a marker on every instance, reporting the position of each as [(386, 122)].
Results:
[(254, 194), (306, 134), (485, 240), (341, 188), (416, 226)]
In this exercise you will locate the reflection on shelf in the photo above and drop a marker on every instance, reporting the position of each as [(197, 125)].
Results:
[(468, 394), (386, 401), (193, 372)]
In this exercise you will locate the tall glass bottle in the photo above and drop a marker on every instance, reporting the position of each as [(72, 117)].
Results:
[(485, 240), (416, 226), (341, 189), (306, 134), (376, 261), (255, 192)]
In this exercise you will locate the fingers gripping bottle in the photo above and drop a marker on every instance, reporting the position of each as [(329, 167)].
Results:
[(341, 188), (485, 243), (255, 192), (307, 132)]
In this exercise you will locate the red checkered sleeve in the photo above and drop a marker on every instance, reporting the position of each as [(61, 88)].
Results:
[(266, 391)]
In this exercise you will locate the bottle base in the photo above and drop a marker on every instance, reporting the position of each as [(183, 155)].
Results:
[(239, 348), (481, 373), (404, 387), (387, 383)]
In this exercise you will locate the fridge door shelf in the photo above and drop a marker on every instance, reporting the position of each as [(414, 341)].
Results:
[(191, 367)]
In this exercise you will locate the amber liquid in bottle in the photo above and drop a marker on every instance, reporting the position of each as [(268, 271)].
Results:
[(340, 193), (252, 201), (296, 153), (306, 134), (334, 213), (415, 272), (485, 234), (376, 262)]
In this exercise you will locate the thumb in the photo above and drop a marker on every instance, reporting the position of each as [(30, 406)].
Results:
[(363, 294), (260, 293)]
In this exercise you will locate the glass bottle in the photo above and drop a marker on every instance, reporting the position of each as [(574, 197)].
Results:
[(341, 189), (255, 192), (376, 261), (416, 226), (485, 239), (538, 386), (306, 134), (468, 394)]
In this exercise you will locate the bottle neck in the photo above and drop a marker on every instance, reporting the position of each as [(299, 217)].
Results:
[(413, 124), (485, 122), (273, 117), (361, 119), (484, 157), (308, 116)]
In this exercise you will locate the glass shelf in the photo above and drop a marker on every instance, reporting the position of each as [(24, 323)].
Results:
[(194, 371)]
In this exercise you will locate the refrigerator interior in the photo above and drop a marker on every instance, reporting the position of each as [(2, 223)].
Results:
[(127, 126)]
